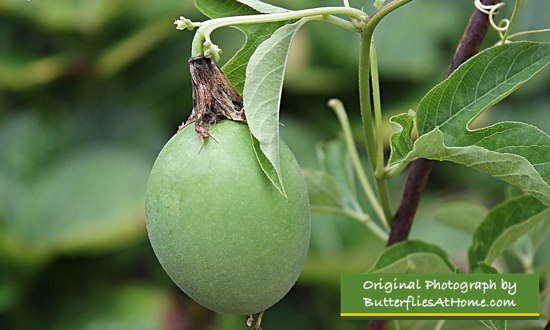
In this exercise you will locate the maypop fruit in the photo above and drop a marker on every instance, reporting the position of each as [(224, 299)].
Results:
[(221, 230)]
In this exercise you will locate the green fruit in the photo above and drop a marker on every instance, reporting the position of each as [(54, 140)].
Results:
[(224, 234)]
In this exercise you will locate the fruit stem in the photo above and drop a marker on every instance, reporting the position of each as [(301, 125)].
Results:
[(202, 43)]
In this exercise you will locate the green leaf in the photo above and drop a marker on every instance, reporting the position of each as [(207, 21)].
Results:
[(464, 215), (267, 166), (479, 83), (335, 160), (484, 268), (513, 152), (325, 196), (262, 7), (508, 167), (262, 92), (332, 189), (224, 8), (323, 190), (539, 234), (413, 257), (503, 226), (400, 140), (235, 68)]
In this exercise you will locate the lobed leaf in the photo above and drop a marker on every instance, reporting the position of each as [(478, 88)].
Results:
[(262, 92), (513, 152), (415, 257), (503, 226), (508, 167), (479, 83), (235, 68)]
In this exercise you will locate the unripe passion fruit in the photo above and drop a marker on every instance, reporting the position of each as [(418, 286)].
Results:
[(223, 233)]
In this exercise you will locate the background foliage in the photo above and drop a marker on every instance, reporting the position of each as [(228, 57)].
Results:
[(91, 90)]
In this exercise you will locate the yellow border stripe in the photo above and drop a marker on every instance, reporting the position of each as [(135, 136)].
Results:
[(440, 314)]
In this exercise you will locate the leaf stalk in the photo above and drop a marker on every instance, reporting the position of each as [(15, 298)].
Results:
[(338, 108)]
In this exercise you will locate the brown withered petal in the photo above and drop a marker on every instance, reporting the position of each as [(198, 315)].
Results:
[(214, 99)]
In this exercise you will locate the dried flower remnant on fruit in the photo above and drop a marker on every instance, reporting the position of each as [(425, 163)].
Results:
[(214, 99)]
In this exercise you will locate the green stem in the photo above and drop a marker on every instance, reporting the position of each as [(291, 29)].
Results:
[(371, 196), (392, 171), (363, 218), (364, 96), (370, 129), (197, 44), (379, 169), (322, 13), (512, 19), (519, 34), (377, 231), (341, 22), (384, 193), (381, 180)]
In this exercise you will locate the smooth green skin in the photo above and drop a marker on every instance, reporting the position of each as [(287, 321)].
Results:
[(223, 233)]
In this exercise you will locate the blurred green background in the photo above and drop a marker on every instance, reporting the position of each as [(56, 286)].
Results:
[(90, 90)]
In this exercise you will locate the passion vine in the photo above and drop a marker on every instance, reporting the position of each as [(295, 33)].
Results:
[(228, 212)]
